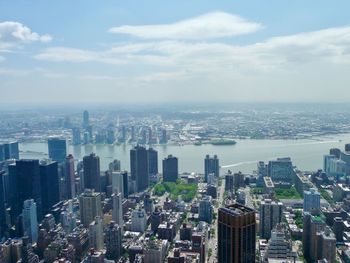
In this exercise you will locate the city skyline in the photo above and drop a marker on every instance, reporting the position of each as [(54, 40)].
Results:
[(218, 52)]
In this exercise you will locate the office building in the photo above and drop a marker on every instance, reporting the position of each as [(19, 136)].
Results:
[(117, 183), (86, 120), (236, 234), (270, 216), (92, 178), (281, 170), (9, 150), (3, 225), (76, 136), (211, 166), (170, 169), (229, 182), (311, 201), (24, 184), (113, 237), (30, 221), (69, 177), (312, 225), (125, 184), (49, 180), (114, 166), (155, 251), (139, 168), (206, 209), (164, 137), (89, 206), (117, 211), (96, 234), (152, 161), (57, 149), (138, 220)]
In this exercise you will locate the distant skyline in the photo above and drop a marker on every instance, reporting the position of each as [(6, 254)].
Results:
[(135, 51)]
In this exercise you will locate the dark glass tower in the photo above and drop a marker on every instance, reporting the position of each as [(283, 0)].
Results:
[(24, 182), (49, 180), (152, 161), (236, 234), (170, 169), (69, 177), (139, 167), (9, 151), (211, 165), (57, 149), (92, 178)]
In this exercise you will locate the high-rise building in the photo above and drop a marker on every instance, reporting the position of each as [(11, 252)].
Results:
[(311, 200), (211, 165), (206, 209), (138, 220), (96, 234), (30, 221), (113, 237), (89, 206), (281, 170), (57, 149), (125, 184), (236, 234), (117, 211), (76, 136), (69, 176), (117, 183), (312, 224), (24, 183), (49, 180), (2, 204), (92, 177), (114, 166), (170, 169), (9, 150), (152, 161), (139, 167), (270, 216), (164, 137), (86, 121)]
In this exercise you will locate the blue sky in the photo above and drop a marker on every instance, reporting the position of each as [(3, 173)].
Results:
[(156, 51)]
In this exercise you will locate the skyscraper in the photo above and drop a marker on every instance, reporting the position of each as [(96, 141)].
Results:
[(92, 178), (139, 167), (170, 169), (96, 234), (125, 184), (236, 234), (24, 183), (311, 201), (89, 206), (86, 121), (30, 221), (69, 177), (206, 210), (76, 136), (211, 165), (117, 211), (312, 224), (10, 151), (49, 180), (2, 204), (152, 161), (57, 149), (270, 216), (113, 237), (117, 183)]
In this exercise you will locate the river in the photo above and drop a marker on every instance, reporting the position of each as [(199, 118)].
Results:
[(306, 154)]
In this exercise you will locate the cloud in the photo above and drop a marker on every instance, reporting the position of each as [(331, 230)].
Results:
[(211, 25)]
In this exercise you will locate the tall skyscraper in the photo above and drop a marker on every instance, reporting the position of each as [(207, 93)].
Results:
[(312, 224), (152, 161), (57, 149), (236, 234), (270, 216), (86, 121), (89, 206), (92, 178), (30, 221), (49, 180), (2, 204), (211, 165), (9, 150), (206, 210), (312, 201), (76, 136), (170, 169), (117, 183), (125, 184), (139, 167), (69, 176), (96, 234), (117, 211), (113, 237), (24, 183)]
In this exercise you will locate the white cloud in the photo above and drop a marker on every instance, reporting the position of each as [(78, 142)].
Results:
[(211, 25), (13, 34)]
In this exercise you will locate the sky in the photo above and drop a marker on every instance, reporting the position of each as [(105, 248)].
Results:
[(136, 51)]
